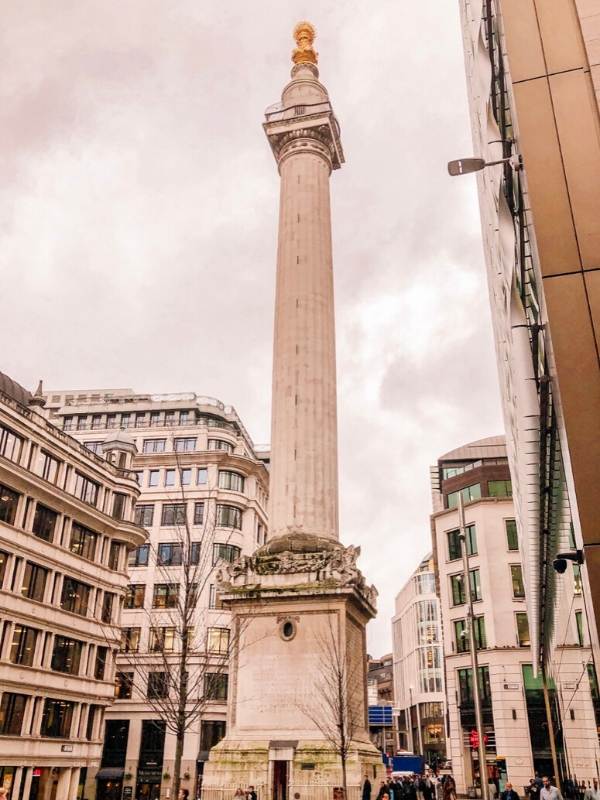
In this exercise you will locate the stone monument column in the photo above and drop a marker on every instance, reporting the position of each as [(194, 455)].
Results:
[(299, 604)]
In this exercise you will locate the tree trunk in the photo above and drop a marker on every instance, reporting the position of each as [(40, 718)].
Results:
[(344, 778), (177, 766)]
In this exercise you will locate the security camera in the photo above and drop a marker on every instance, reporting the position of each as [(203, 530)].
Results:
[(560, 562), (560, 565)]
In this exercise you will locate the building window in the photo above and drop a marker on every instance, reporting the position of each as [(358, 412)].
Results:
[(154, 445), (458, 594), (86, 489), (217, 640), (11, 445), (68, 424), (512, 537), (140, 419), (8, 505), (116, 735), (576, 579), (461, 634), (184, 418), (34, 582), (170, 417), (107, 607), (114, 554), (154, 419), (75, 597), (165, 595), (91, 720), (144, 515), (111, 420), (139, 556), (185, 445), (66, 655), (134, 597), (215, 686), (130, 640), (213, 597), (123, 686), (22, 648), (202, 477), (229, 517), (186, 476), (158, 686), (162, 639), (44, 523), (3, 563), (93, 447), (500, 488), (220, 444), (119, 506), (231, 480), (522, 629), (211, 733), (195, 553), (153, 477), (169, 554), (469, 494), (169, 477), (198, 513), (518, 587), (125, 420), (83, 542), (96, 421), (100, 665), (12, 712), (579, 624), (227, 552), (57, 718), (173, 514), (465, 684), (454, 544), (81, 422)]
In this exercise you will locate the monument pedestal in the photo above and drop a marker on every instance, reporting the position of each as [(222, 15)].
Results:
[(297, 674)]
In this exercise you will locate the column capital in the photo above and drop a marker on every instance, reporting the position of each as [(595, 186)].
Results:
[(304, 126)]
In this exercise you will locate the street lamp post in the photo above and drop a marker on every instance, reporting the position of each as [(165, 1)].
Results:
[(473, 648)]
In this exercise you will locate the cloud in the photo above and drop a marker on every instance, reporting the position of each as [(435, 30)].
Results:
[(138, 208)]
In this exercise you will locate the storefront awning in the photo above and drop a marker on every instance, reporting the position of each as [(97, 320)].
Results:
[(110, 774)]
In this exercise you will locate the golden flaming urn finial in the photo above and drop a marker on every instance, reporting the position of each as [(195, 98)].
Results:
[(304, 53)]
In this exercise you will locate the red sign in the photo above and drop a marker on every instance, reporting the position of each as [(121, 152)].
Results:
[(474, 739), (37, 773)]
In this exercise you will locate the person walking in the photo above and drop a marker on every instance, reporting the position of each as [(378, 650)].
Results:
[(548, 791), (449, 792), (509, 793), (592, 792)]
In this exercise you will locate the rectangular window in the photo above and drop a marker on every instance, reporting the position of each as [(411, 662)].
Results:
[(186, 476), (579, 624), (81, 422), (465, 684), (217, 640), (215, 686), (12, 712), (107, 607), (123, 686), (202, 476), (34, 582), (518, 587), (130, 640), (83, 542), (512, 538), (231, 480), (75, 596), (462, 635), (173, 514), (57, 718), (111, 420), (90, 724), (11, 444), (198, 513), (214, 600), (195, 553), (229, 517), (154, 445), (185, 445), (184, 417), (169, 554), (3, 563), (100, 665), (140, 419), (211, 733), (134, 597), (139, 475), (8, 505), (119, 505), (169, 477), (154, 419), (469, 494), (86, 489), (144, 515), (454, 544), (66, 655), (165, 595), (44, 523), (522, 629), (114, 554), (125, 420), (158, 685), (93, 447), (153, 477), (500, 488), (227, 552), (220, 444), (139, 556), (96, 421), (170, 417), (458, 594), (68, 424), (22, 648), (162, 639)]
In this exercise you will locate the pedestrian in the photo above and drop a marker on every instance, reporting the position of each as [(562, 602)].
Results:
[(239, 792), (592, 792), (251, 794), (449, 788), (382, 791), (427, 788), (509, 793), (366, 789), (548, 791)]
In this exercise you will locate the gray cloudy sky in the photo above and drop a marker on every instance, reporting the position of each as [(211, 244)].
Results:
[(138, 222)]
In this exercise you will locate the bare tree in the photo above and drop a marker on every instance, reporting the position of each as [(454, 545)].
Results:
[(339, 693), (184, 669)]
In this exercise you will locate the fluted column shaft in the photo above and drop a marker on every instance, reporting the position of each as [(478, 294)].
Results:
[(304, 483)]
